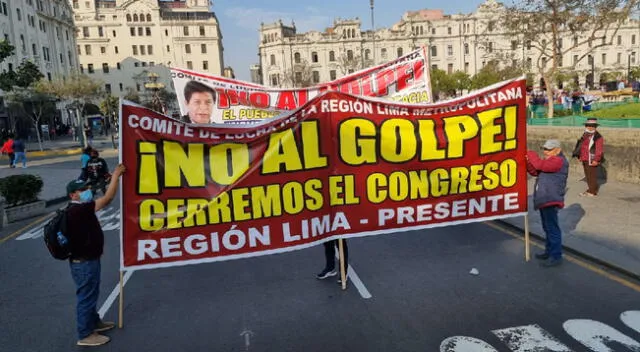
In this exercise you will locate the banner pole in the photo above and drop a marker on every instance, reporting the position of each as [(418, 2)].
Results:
[(343, 274), (121, 303), (527, 253)]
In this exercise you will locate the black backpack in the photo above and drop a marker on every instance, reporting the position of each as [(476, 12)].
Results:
[(57, 224)]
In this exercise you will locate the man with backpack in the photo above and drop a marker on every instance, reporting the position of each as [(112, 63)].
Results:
[(85, 243)]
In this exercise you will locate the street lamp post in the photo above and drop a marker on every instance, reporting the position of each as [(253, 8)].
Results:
[(373, 28), (629, 67)]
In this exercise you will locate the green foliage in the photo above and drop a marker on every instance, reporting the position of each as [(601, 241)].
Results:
[(635, 73), (441, 82), (626, 111), (20, 189), (109, 105), (25, 75), (461, 81), (132, 95), (6, 50)]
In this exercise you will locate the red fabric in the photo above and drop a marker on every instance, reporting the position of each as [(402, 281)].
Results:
[(584, 148), (535, 164), (7, 147)]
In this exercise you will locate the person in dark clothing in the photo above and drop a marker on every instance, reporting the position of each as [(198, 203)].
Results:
[(199, 99), (84, 160), (19, 149), (98, 175), (86, 242), (551, 171), (590, 151), (88, 131), (330, 259)]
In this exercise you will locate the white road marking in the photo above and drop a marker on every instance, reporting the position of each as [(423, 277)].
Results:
[(114, 294), (109, 219), (596, 335), (355, 279), (465, 344), (631, 319), (530, 338)]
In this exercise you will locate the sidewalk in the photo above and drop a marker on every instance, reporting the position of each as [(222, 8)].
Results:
[(605, 227), (63, 146)]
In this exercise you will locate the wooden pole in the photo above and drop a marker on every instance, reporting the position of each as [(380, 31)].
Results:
[(527, 252), (121, 303), (343, 270)]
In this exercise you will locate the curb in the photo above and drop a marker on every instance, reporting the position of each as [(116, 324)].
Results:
[(613, 267), (54, 201), (45, 153)]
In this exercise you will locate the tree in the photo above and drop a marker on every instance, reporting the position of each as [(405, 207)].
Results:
[(77, 88), (492, 73), (32, 102), (461, 81), (635, 73), (441, 83), (299, 76), (542, 25), (132, 96), (350, 63)]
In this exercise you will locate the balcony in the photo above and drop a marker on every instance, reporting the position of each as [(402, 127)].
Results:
[(103, 4), (173, 4)]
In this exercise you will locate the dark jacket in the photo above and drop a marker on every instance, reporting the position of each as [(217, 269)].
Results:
[(590, 149), (18, 146), (551, 182), (97, 169)]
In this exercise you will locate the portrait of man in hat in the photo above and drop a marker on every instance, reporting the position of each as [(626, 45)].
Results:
[(590, 151)]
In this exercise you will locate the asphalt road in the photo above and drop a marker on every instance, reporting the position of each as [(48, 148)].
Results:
[(422, 296)]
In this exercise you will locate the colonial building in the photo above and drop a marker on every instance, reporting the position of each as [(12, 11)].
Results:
[(41, 31), (461, 42), (121, 42)]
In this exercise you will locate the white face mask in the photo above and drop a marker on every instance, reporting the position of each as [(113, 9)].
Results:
[(589, 131)]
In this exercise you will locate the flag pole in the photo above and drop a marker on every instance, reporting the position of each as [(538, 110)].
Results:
[(343, 273), (121, 303), (527, 252)]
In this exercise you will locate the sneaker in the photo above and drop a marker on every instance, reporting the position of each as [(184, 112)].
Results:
[(587, 194), (542, 256), (104, 326), (326, 273), (94, 339), (551, 262)]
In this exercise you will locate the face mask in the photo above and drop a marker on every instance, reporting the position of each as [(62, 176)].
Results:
[(86, 196), (589, 131)]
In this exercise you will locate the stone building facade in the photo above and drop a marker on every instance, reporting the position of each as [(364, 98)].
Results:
[(460, 42)]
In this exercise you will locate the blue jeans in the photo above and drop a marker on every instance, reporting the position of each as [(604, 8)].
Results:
[(86, 275), (20, 156), (553, 245)]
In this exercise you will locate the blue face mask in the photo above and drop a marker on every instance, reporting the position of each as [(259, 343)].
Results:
[(86, 196)]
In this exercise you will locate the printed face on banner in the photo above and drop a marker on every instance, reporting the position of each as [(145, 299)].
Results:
[(340, 166), (405, 79)]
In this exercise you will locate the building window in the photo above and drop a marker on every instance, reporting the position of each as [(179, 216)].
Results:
[(205, 65), (434, 67), (466, 48), (490, 47), (152, 63), (399, 50), (107, 88), (604, 59), (49, 76), (203, 48), (118, 66), (166, 32), (143, 50), (141, 18), (274, 80), (132, 31), (87, 49), (168, 49), (136, 64), (633, 39), (185, 30), (296, 58), (187, 48), (144, 64), (22, 43), (116, 49), (450, 50), (75, 4), (103, 50), (148, 17), (349, 54), (332, 56), (383, 53), (120, 86), (100, 32), (434, 51), (150, 49), (135, 49), (314, 57), (4, 9), (190, 65), (105, 68), (138, 87), (332, 75), (148, 31), (140, 31), (619, 58), (128, 17), (85, 32), (19, 14), (81, 68), (449, 69), (34, 49), (316, 77), (514, 45), (466, 67), (449, 30), (619, 40), (113, 34), (367, 54), (272, 59), (202, 33), (575, 60), (90, 68), (135, 17)]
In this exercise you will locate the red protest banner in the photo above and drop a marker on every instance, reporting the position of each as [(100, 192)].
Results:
[(341, 166)]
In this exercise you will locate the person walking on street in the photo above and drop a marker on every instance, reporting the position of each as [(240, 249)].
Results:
[(86, 242), (330, 259), (7, 148), (84, 160), (98, 175), (590, 151), (19, 149), (551, 171), (89, 134)]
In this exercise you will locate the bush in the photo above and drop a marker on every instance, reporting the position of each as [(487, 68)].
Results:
[(20, 189)]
